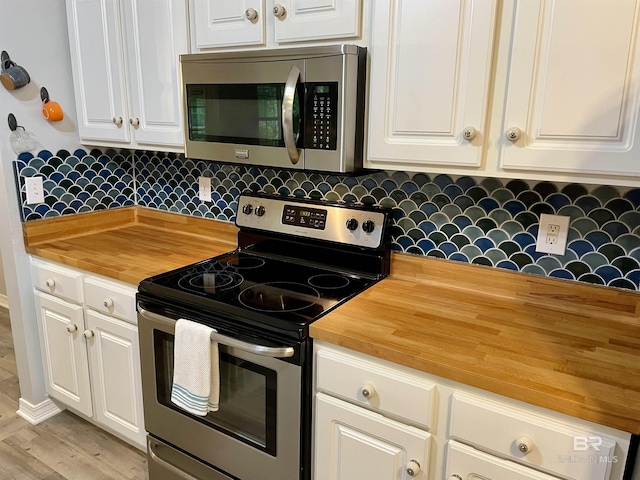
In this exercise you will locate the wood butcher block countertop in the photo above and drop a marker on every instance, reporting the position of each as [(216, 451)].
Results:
[(128, 244), (567, 346)]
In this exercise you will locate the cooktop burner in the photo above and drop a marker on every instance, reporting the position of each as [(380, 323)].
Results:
[(247, 283)]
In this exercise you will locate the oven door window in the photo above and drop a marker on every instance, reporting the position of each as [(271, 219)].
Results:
[(249, 114), (247, 408)]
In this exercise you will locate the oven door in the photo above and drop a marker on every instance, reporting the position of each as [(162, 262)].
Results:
[(256, 432)]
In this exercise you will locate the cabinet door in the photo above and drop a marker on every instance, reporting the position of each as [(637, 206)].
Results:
[(64, 352), (318, 20), (95, 40), (464, 462), (572, 86), (351, 442), (228, 23), (430, 73), (155, 34), (115, 369)]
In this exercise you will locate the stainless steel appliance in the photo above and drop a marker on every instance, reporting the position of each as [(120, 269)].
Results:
[(296, 260), (297, 108)]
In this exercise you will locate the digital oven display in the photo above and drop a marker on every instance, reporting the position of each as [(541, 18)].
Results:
[(304, 217)]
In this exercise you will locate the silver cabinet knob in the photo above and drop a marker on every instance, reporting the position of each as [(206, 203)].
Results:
[(469, 133), (368, 391), (251, 14), (88, 334), (134, 121), (108, 303), (412, 468), (513, 134), (50, 282), (72, 327), (279, 11), (117, 120), (525, 445)]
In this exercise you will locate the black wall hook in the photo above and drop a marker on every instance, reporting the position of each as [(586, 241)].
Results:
[(13, 123), (44, 95)]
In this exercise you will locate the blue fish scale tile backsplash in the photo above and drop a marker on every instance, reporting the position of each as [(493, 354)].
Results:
[(492, 222)]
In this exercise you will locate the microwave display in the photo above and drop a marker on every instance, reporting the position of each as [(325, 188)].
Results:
[(239, 113)]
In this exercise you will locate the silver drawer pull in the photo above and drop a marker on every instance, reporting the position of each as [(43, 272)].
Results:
[(50, 282), (108, 303)]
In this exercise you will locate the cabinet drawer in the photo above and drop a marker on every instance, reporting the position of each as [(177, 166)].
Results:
[(389, 391), (560, 447), (57, 280), (467, 462), (111, 299)]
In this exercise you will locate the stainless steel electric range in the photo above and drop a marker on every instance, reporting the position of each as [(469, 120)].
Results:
[(296, 260)]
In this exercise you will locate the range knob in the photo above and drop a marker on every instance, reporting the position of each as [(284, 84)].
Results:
[(368, 226), (260, 211), (352, 224), (247, 209)]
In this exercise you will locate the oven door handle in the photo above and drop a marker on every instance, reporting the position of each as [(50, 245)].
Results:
[(274, 352)]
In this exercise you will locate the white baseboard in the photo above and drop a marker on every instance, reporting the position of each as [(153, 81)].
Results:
[(4, 301), (35, 414)]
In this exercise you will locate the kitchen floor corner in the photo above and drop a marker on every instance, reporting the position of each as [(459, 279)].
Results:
[(62, 447)]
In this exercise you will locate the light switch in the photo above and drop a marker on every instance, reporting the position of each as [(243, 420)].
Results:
[(35, 190), (204, 189)]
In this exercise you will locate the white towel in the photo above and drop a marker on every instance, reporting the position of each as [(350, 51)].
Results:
[(196, 372)]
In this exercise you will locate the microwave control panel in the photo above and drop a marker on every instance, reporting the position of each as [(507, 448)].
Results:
[(321, 132)]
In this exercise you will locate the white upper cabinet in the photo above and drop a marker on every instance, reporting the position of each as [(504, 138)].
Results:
[(224, 23), (241, 23), (572, 87), (429, 83), (124, 57), (538, 89), (305, 20)]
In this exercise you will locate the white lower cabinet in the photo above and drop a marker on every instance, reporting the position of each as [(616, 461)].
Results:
[(89, 344), (64, 352), (376, 420), (353, 443), (113, 350)]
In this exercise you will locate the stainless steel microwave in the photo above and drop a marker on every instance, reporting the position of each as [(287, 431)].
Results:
[(299, 108)]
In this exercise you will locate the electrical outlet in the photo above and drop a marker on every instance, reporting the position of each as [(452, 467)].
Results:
[(204, 189), (35, 190), (552, 234)]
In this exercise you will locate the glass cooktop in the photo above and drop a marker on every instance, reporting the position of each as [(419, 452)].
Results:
[(256, 287)]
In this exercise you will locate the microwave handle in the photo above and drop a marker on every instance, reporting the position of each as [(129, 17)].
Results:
[(274, 352), (287, 114)]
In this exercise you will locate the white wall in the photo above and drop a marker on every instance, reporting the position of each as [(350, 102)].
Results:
[(34, 33)]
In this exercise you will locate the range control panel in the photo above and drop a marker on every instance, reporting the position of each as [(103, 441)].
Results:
[(361, 226), (304, 217)]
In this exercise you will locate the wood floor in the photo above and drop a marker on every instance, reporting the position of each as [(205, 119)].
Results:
[(63, 447)]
